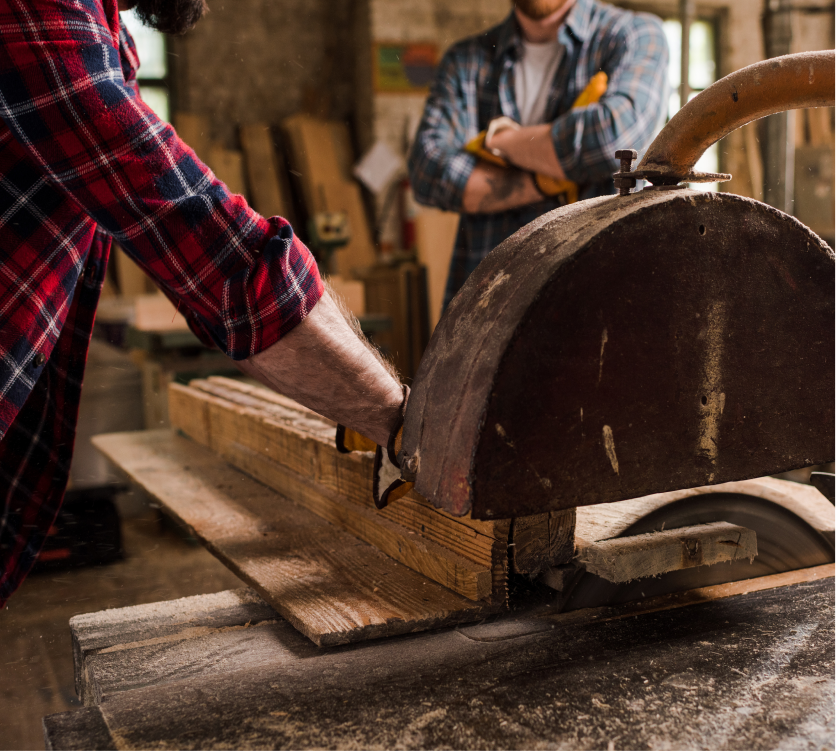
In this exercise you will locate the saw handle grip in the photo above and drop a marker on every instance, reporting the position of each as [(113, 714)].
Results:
[(783, 83)]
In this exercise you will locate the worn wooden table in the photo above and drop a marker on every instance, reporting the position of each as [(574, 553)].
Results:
[(746, 668)]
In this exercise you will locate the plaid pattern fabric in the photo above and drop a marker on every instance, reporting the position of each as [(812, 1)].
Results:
[(84, 160), (475, 84)]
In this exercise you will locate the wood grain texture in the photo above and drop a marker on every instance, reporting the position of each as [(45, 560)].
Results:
[(292, 450), (228, 166), (331, 586), (542, 540), (608, 520), (639, 556), (190, 637), (319, 153), (194, 130), (509, 683), (263, 171)]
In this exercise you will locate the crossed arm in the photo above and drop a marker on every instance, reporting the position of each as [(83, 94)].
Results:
[(491, 189)]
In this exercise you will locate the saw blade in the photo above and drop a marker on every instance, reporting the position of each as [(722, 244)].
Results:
[(785, 543)]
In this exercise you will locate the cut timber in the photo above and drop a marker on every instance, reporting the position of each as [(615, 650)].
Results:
[(639, 556), (157, 313), (542, 540), (228, 166), (608, 520), (131, 278), (150, 626), (401, 294), (435, 237), (194, 130), (351, 292), (292, 450), (821, 133), (329, 585), (263, 171), (319, 154)]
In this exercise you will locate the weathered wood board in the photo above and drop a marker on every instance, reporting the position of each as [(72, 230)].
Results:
[(639, 556), (331, 586), (291, 449), (522, 682), (608, 520)]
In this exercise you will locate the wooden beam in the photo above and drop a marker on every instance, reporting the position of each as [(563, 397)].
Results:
[(541, 541), (266, 189), (608, 520), (228, 166), (332, 587), (292, 450), (639, 556)]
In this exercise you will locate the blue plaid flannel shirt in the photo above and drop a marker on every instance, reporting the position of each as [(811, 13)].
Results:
[(475, 84)]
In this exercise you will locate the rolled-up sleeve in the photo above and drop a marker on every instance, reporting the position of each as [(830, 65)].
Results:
[(586, 139), (243, 280), (438, 167)]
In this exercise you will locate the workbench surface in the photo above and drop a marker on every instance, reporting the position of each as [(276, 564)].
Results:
[(752, 671)]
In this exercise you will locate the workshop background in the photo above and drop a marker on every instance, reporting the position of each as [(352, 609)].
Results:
[(308, 108)]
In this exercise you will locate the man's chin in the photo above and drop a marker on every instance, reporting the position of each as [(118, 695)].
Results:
[(537, 10)]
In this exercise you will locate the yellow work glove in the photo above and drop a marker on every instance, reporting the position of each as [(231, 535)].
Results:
[(387, 483), (548, 186)]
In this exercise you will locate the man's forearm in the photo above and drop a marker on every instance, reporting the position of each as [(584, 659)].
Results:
[(529, 148), (323, 365), (490, 189)]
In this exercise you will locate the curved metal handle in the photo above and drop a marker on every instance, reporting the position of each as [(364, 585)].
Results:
[(783, 83)]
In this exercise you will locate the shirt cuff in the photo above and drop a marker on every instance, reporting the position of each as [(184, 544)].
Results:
[(266, 299), (457, 172)]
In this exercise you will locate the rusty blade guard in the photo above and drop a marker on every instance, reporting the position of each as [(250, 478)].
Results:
[(629, 345)]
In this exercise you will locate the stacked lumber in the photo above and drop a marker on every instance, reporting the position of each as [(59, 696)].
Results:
[(321, 158), (269, 193), (291, 450)]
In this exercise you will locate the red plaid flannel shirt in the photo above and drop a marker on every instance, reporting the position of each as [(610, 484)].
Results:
[(84, 160)]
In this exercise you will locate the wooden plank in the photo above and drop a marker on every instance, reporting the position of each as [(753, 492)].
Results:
[(345, 699), (293, 452), (194, 130), (821, 133), (401, 294), (754, 160), (263, 171), (435, 235), (320, 162), (230, 629), (541, 541), (228, 166), (284, 431), (351, 292), (157, 313), (132, 280), (331, 586), (639, 556), (608, 520)]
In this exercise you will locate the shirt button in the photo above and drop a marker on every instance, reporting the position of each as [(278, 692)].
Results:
[(40, 359)]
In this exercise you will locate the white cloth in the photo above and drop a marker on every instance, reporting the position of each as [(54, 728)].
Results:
[(533, 76)]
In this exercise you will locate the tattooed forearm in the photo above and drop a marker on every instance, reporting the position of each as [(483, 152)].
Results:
[(504, 186), (490, 189)]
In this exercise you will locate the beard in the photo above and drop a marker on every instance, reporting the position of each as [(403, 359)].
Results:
[(168, 16), (537, 10)]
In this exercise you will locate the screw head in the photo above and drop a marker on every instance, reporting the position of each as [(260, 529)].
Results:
[(630, 154)]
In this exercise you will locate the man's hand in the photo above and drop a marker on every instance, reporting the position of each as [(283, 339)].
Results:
[(528, 148), (325, 366), (490, 189)]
